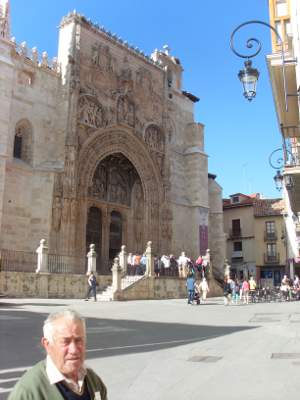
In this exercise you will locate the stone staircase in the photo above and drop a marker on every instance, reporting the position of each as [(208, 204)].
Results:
[(128, 280)]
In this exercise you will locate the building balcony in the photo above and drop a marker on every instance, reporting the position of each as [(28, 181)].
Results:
[(270, 236), (237, 254), (271, 258), (235, 233)]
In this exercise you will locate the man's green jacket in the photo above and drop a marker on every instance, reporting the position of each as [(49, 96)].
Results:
[(35, 385)]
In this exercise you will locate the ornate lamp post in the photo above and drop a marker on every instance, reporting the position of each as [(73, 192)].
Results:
[(249, 75)]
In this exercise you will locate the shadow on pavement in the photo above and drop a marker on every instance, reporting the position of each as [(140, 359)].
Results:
[(20, 333)]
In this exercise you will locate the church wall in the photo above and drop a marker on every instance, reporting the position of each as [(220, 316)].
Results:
[(186, 223), (216, 235), (6, 87), (27, 205), (36, 98)]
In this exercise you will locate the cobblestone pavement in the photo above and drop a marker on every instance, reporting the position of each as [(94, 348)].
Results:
[(167, 349)]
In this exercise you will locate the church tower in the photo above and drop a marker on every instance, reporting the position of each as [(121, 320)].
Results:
[(4, 19)]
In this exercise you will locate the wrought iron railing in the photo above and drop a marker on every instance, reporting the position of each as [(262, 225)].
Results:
[(26, 261), (63, 264), (271, 258), (270, 236), (18, 261)]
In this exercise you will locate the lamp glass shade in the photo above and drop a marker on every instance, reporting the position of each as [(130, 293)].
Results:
[(278, 178), (249, 76)]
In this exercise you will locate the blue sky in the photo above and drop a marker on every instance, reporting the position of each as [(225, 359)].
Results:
[(239, 136)]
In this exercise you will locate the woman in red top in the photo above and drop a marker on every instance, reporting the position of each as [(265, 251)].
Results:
[(245, 288)]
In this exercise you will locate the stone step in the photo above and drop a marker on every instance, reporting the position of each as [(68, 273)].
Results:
[(107, 293)]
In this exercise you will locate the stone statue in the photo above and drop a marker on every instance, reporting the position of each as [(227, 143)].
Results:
[(226, 269)]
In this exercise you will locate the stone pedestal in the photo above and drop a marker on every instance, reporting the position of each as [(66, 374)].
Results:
[(123, 260), (116, 279), (150, 260), (92, 258), (42, 261)]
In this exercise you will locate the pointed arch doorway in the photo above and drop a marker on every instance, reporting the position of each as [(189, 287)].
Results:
[(115, 210)]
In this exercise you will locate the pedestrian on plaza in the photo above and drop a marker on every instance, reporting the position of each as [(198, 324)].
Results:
[(252, 288), (190, 285), (92, 286), (183, 265), (63, 374), (241, 289), (173, 266), (204, 289), (234, 289), (245, 288), (157, 266), (130, 268), (137, 264), (166, 263), (143, 264), (227, 291), (198, 264)]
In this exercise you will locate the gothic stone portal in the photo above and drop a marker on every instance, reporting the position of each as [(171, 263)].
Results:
[(115, 210)]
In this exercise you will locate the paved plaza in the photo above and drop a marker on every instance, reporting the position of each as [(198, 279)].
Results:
[(167, 349)]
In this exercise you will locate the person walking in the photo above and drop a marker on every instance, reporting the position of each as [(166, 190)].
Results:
[(252, 289), (227, 291), (204, 289), (92, 287), (63, 374), (190, 285), (183, 265), (245, 288)]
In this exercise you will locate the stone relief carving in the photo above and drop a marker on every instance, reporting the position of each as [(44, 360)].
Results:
[(126, 111), (166, 223), (113, 180), (144, 79), (138, 203), (90, 113), (56, 213), (101, 58), (117, 188), (126, 73), (156, 142), (154, 138)]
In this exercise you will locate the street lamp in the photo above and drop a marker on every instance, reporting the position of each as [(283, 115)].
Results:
[(280, 180), (249, 75)]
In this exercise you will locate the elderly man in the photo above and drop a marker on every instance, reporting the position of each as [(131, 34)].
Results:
[(63, 374)]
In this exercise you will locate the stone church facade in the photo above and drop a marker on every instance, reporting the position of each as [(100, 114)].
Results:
[(100, 146)]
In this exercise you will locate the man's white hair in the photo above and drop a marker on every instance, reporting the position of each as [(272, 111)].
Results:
[(67, 314)]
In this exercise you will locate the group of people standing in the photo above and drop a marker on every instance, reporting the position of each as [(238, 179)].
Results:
[(239, 291), (182, 266), (166, 265), (197, 289)]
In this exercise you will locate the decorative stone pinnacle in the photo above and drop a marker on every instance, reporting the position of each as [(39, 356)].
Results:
[(4, 19), (167, 49)]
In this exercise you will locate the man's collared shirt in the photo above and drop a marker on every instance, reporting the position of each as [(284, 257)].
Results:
[(55, 376)]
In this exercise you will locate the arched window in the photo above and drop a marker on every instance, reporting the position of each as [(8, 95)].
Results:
[(23, 141)]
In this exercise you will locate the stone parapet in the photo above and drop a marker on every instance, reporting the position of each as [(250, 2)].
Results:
[(151, 288), (22, 284)]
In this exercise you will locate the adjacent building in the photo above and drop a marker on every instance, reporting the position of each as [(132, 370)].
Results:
[(285, 17), (256, 237), (100, 145)]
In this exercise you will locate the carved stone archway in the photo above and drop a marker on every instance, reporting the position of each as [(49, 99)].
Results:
[(120, 141)]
